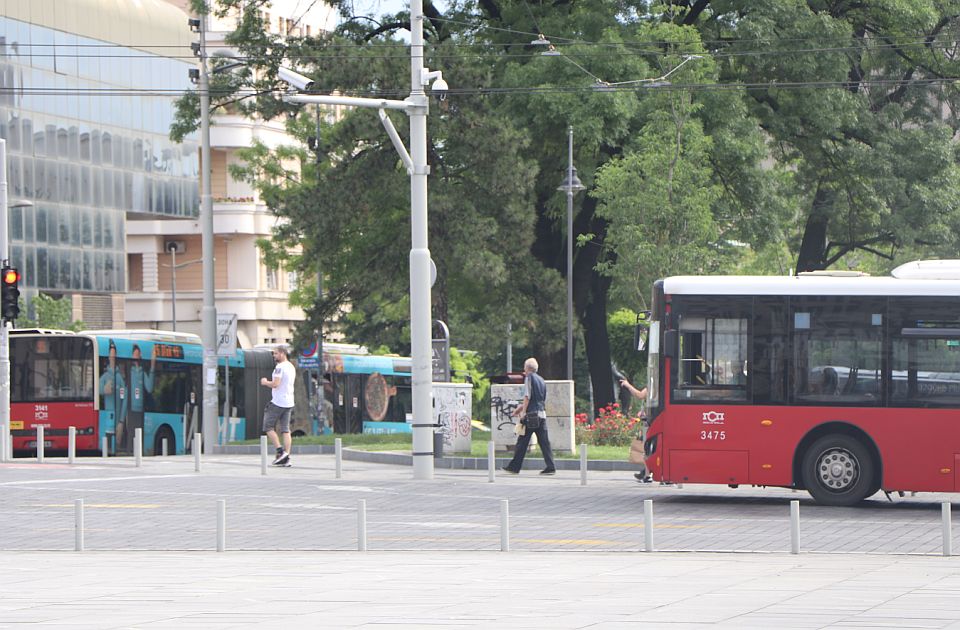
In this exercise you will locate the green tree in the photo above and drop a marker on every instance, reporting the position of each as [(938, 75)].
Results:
[(50, 312), (859, 100)]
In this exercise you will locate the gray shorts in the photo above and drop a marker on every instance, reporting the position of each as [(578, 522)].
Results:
[(276, 418)]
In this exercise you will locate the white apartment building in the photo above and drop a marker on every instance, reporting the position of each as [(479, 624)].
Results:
[(258, 295)]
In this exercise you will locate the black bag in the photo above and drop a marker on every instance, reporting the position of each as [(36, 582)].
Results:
[(533, 421)]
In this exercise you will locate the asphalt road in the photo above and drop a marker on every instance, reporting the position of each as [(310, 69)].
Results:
[(167, 505)]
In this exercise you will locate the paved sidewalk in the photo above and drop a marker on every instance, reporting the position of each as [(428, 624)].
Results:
[(476, 590)]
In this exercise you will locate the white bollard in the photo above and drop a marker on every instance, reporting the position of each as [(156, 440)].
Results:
[(104, 446), (164, 447), (137, 447), (4, 436), (504, 525), (263, 454), (221, 525), (947, 529), (648, 525), (361, 525), (197, 447), (78, 525), (491, 461), (794, 527), (40, 440), (338, 454), (71, 444), (583, 464)]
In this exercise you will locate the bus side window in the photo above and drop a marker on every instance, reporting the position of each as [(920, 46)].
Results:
[(712, 358)]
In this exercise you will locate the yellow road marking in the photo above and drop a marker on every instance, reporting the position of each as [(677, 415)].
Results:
[(112, 506), (640, 525)]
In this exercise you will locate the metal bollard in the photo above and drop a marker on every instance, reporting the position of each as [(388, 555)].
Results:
[(491, 461), (947, 529), (794, 527), (197, 448), (40, 445), (71, 444), (263, 454), (648, 525), (583, 464), (4, 436), (104, 446), (78, 525), (504, 525), (361, 525), (137, 447), (221, 525), (164, 447), (338, 453)]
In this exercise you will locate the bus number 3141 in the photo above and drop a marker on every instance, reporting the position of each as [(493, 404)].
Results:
[(713, 435)]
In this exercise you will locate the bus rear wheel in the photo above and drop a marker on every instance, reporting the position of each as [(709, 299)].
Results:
[(165, 433), (838, 470)]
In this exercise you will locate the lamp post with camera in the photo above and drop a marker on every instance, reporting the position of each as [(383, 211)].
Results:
[(422, 270), (208, 312)]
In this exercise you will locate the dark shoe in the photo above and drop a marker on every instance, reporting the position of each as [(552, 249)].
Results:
[(640, 476), (282, 459), (509, 471), (548, 471)]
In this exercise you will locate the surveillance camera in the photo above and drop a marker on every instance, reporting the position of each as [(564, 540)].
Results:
[(440, 89), (295, 79)]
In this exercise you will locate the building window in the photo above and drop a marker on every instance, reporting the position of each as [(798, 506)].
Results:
[(293, 280), (271, 279)]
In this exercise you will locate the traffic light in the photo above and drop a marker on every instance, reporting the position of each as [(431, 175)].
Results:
[(10, 296)]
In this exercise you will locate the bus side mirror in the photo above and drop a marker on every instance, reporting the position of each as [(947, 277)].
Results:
[(640, 337), (670, 343)]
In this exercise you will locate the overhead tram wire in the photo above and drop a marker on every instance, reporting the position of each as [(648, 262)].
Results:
[(507, 91), (920, 45)]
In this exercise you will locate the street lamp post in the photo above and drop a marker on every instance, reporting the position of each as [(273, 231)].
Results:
[(5, 326), (208, 312), (571, 184), (416, 106)]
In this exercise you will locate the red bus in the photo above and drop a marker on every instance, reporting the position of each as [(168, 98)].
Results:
[(841, 384)]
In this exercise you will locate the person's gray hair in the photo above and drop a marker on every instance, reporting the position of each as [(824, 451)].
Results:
[(283, 348), (532, 364)]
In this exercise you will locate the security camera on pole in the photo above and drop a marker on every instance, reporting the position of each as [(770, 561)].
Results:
[(416, 107)]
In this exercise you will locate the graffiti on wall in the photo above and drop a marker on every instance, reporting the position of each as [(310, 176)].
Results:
[(452, 409), (505, 399)]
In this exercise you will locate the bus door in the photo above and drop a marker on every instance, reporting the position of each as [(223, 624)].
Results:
[(347, 412)]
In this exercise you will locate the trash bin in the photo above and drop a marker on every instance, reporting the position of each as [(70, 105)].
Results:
[(437, 444)]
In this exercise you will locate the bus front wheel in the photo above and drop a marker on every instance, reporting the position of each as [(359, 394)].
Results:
[(838, 470), (165, 433)]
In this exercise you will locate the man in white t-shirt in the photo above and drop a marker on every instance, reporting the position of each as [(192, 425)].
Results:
[(276, 415)]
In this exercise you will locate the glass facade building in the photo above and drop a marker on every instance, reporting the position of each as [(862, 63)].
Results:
[(86, 123)]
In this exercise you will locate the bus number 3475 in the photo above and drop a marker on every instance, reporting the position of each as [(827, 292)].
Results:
[(713, 435)]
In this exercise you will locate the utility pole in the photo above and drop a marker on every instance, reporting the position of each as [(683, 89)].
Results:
[(208, 313), (416, 106), (4, 326)]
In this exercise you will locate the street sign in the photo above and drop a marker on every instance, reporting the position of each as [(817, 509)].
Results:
[(441, 353), (309, 357), (226, 334)]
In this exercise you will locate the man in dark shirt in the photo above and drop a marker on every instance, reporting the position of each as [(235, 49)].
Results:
[(533, 414)]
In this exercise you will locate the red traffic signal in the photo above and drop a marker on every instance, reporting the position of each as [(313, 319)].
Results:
[(9, 293), (11, 276)]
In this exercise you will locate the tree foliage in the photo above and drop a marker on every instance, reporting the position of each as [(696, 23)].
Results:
[(804, 134)]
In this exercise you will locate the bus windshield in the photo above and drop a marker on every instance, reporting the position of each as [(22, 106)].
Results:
[(51, 369)]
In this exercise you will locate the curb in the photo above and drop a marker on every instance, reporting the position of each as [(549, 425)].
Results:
[(451, 462)]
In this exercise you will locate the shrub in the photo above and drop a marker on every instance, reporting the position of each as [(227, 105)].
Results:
[(611, 428)]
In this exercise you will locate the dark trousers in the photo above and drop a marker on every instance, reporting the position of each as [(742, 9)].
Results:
[(520, 451)]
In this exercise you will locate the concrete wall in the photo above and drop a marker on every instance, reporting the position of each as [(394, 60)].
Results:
[(504, 399)]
